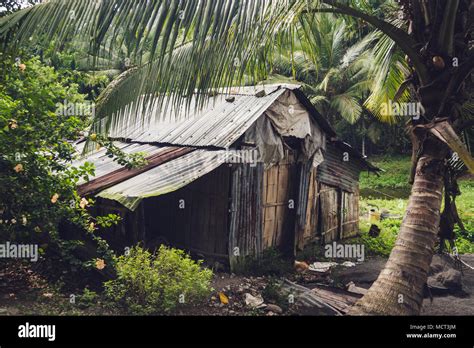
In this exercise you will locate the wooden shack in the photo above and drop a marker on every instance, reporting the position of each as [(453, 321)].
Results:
[(256, 168)]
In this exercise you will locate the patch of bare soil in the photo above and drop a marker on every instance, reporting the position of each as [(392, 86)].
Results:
[(445, 302), (233, 295), (24, 292), (460, 303)]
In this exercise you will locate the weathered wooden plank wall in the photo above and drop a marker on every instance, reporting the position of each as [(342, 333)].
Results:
[(280, 202), (307, 213), (340, 208), (350, 223), (329, 217), (247, 208)]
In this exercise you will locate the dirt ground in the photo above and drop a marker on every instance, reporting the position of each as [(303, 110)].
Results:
[(366, 273), (23, 292)]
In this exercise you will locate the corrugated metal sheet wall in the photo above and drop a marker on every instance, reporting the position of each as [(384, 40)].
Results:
[(245, 230), (337, 172)]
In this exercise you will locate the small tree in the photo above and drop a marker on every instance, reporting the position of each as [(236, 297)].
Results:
[(37, 181)]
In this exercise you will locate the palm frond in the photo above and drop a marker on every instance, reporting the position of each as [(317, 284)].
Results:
[(226, 38), (356, 50), (347, 106), (184, 46), (389, 71)]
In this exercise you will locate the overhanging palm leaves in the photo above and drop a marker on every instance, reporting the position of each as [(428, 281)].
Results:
[(223, 36), (224, 39), (389, 71), (227, 38)]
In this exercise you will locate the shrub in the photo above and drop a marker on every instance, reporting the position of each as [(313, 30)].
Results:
[(87, 298), (148, 283), (270, 262), (37, 180)]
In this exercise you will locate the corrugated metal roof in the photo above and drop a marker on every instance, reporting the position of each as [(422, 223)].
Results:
[(117, 176), (219, 124), (104, 164), (343, 146), (165, 178)]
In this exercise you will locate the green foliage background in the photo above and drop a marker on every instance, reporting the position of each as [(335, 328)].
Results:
[(390, 192)]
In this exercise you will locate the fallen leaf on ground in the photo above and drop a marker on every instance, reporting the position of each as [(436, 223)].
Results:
[(223, 298)]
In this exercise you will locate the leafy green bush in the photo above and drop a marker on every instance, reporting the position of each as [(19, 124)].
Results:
[(383, 244), (37, 183), (395, 175), (149, 283)]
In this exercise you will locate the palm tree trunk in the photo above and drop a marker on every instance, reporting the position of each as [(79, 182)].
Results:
[(399, 287)]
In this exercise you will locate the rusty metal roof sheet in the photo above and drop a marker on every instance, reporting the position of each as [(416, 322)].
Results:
[(165, 178), (104, 164), (119, 175), (219, 124)]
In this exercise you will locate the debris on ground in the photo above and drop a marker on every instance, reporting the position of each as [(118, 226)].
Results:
[(338, 298), (348, 264), (304, 297), (443, 275), (301, 266), (321, 267), (324, 267), (320, 300), (351, 287), (254, 301), (332, 292), (223, 298), (273, 308)]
